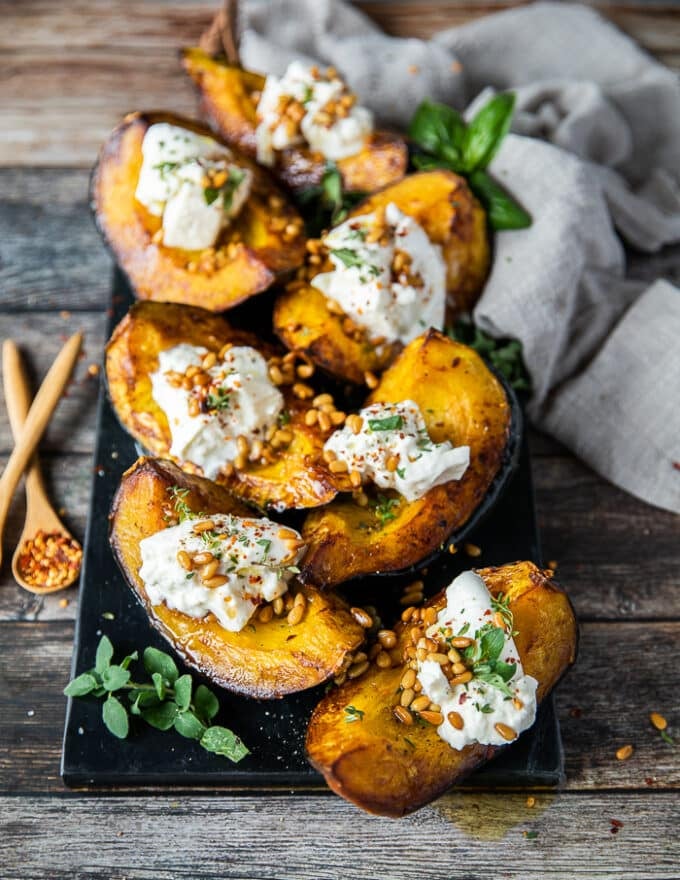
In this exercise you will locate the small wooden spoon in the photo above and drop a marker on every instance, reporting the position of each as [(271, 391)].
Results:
[(26, 439)]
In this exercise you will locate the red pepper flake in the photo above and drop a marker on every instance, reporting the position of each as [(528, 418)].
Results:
[(676, 465), (575, 712), (616, 824)]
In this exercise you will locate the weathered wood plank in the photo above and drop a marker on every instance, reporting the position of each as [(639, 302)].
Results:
[(597, 716), (51, 256), (469, 836), (52, 88)]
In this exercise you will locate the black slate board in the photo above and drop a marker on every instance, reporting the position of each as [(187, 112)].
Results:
[(273, 730)]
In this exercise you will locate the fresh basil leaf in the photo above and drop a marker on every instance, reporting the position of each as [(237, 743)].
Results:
[(115, 677), (183, 687), (210, 193), (438, 129), (505, 670), (389, 423), (495, 680), (502, 211), (222, 741), (159, 684), (484, 134), (188, 725), (103, 655), (158, 661), (492, 643), (115, 717), (81, 685), (206, 703), (162, 716)]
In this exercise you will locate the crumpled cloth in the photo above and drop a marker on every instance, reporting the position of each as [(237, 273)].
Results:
[(594, 155)]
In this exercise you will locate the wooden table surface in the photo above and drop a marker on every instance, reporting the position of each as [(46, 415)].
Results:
[(69, 70)]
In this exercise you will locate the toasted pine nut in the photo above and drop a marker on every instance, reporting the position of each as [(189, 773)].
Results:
[(387, 638), (225, 348), (203, 558), (622, 754), (458, 668), (355, 479), (337, 417), (420, 703), (209, 360), (362, 617), (325, 422), (277, 606), (339, 466), (305, 371), (370, 379), (300, 599), (456, 720), (429, 615), (517, 703), (383, 660), (472, 550), (265, 614), (453, 655), (217, 581), (406, 697), (435, 718), (295, 615), (462, 642), (357, 669), (402, 714), (408, 679), (463, 678), (185, 560), (410, 598), (210, 570), (302, 391), (505, 731), (276, 375), (657, 720), (311, 417), (204, 526), (329, 455), (441, 659), (322, 399), (407, 614), (392, 463)]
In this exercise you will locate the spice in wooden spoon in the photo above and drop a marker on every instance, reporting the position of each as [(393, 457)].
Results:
[(47, 557)]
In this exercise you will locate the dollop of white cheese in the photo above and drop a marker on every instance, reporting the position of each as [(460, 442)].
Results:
[(302, 106), (396, 289), (247, 403), (256, 556), (176, 164), (393, 449), (480, 704)]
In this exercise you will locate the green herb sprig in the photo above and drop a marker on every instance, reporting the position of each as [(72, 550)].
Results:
[(218, 400), (385, 509), (505, 355), (328, 203), (167, 701), (483, 659), (447, 141), (389, 423), (182, 509)]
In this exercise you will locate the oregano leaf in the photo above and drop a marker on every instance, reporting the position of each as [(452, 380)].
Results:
[(115, 717)]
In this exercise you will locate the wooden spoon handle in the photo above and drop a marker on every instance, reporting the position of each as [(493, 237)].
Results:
[(18, 403), (39, 415)]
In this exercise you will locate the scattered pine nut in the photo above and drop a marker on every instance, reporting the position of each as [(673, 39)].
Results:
[(624, 752), (658, 721)]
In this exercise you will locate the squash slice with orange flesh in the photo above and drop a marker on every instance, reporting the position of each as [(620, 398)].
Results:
[(444, 206), (295, 477), (253, 251), (229, 98), (390, 768), (461, 401), (263, 659)]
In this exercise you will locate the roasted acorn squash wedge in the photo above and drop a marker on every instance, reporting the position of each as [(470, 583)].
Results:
[(297, 475), (391, 769), (444, 206), (262, 660), (461, 401), (254, 250), (228, 104)]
